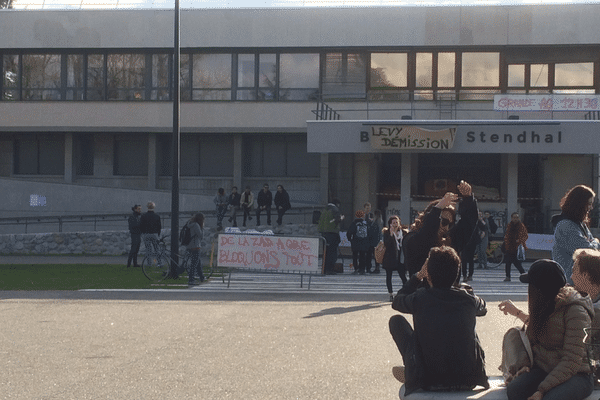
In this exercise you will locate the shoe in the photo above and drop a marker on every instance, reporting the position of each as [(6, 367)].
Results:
[(244, 225), (137, 266), (391, 298), (469, 278), (362, 273), (249, 218), (194, 283), (377, 271), (230, 219), (398, 373), (268, 222), (355, 272), (507, 279)]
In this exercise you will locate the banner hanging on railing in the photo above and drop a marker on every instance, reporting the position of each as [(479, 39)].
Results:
[(269, 253)]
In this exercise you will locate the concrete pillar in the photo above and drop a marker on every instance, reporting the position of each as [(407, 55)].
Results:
[(363, 174), (324, 179), (512, 185), (237, 162), (405, 187), (152, 167), (68, 158)]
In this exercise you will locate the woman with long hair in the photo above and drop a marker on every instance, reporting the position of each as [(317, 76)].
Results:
[(392, 239), (437, 226), (558, 315), (516, 235), (196, 225), (572, 230)]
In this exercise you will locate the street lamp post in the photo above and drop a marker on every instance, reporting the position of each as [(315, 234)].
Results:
[(176, 141)]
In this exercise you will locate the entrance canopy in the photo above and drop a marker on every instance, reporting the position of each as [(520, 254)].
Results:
[(455, 136)]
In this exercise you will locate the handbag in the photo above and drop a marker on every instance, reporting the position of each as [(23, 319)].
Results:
[(521, 253), (516, 353), (379, 252)]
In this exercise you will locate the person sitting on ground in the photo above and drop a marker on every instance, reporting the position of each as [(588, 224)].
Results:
[(586, 278), (558, 315), (443, 351)]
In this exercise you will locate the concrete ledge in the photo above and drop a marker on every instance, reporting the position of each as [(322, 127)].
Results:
[(497, 391)]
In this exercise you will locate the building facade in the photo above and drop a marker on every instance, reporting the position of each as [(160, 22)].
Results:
[(86, 102)]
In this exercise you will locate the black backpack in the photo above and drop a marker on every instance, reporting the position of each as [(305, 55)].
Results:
[(185, 235)]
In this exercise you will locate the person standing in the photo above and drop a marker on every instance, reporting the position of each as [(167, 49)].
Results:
[(392, 239), (221, 202), (572, 230), (329, 227), (196, 225), (264, 200), (437, 226), (150, 227), (375, 236), (484, 234), (358, 235), (515, 236), (490, 220), (282, 203), (247, 202), (467, 255), (136, 235), (233, 203)]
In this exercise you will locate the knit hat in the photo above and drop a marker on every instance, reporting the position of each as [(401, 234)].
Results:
[(546, 275), (360, 214)]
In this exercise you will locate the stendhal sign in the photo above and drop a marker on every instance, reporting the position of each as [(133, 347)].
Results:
[(455, 136), (385, 137)]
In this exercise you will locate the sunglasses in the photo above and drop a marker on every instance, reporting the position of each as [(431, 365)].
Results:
[(447, 222)]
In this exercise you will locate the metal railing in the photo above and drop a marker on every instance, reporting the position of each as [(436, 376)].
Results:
[(108, 222)]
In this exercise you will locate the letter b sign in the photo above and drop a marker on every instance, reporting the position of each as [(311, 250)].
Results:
[(364, 136)]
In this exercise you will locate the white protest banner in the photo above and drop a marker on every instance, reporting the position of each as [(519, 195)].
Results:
[(537, 241), (269, 253), (546, 102)]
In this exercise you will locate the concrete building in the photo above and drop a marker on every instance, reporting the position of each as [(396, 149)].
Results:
[(86, 113)]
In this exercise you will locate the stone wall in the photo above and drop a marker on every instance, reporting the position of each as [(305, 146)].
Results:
[(113, 242)]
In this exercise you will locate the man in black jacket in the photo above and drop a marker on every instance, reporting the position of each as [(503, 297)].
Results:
[(264, 202), (443, 351), (150, 227), (234, 204)]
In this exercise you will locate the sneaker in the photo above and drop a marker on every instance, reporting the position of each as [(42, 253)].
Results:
[(194, 283), (398, 373), (507, 279)]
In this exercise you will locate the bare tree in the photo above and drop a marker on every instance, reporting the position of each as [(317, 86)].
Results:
[(6, 3)]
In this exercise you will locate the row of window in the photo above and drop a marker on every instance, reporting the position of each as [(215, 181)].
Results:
[(281, 76), (200, 156)]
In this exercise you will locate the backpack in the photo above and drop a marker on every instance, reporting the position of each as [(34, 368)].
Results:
[(362, 230), (185, 235)]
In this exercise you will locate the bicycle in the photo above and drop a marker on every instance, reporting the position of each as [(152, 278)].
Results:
[(156, 266), (495, 254)]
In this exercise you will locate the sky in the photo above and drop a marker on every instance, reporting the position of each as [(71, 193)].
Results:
[(199, 4)]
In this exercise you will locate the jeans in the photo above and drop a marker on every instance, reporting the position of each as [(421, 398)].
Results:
[(388, 276), (359, 258), (578, 387), (151, 243), (221, 210), (258, 211), (481, 252)]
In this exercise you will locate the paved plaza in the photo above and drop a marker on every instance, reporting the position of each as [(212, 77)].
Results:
[(263, 337)]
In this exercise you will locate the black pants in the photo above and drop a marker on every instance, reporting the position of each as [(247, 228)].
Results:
[(331, 253), (359, 258), (280, 212), (512, 259), (467, 261), (388, 276), (258, 211), (404, 336), (246, 209), (136, 241)]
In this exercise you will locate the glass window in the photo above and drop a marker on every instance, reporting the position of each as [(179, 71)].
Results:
[(246, 63), (298, 76), (95, 80), (75, 77), (41, 74), (160, 77), (539, 75), (84, 154), (480, 69), (131, 157), (274, 158), (389, 70), (212, 74), (299, 162), (345, 75), (40, 155), (10, 81), (267, 76), (516, 75), (270, 156), (574, 74), (424, 68), (216, 154), (446, 69), (190, 156), (185, 83), (125, 76)]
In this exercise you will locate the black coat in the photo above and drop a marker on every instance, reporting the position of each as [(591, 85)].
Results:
[(282, 200), (264, 199), (392, 254), (416, 244), (150, 223), (134, 222), (448, 351)]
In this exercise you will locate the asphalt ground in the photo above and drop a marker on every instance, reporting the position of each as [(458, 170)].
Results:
[(263, 337)]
